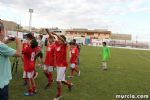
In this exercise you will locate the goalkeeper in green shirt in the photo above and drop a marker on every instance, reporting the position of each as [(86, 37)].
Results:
[(105, 54)]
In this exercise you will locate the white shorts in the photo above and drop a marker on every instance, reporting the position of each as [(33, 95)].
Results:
[(47, 68), (28, 74), (73, 65), (61, 73)]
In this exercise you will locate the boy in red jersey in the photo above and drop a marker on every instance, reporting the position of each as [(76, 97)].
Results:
[(74, 59), (49, 61), (25, 44), (61, 63), (29, 53)]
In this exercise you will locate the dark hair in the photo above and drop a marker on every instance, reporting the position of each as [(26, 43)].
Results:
[(41, 36), (30, 36), (72, 43), (1, 26), (34, 43), (46, 40), (104, 43), (64, 38), (74, 40)]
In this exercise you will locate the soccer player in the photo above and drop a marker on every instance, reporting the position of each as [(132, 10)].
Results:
[(79, 49), (49, 61), (61, 63), (29, 53), (74, 59), (105, 54), (26, 43)]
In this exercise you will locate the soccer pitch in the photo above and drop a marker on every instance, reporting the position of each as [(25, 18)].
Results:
[(128, 73)]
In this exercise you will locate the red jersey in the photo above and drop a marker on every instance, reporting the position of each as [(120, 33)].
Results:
[(38, 48), (29, 58), (50, 54), (74, 55), (61, 54), (24, 45)]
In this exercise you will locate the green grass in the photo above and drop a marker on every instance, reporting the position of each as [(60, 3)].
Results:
[(129, 73)]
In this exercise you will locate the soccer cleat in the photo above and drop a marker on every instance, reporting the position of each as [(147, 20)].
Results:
[(70, 87), (28, 94), (79, 73), (58, 97)]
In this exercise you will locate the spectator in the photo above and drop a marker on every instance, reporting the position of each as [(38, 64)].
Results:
[(5, 65)]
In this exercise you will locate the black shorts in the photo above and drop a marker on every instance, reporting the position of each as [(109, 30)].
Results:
[(4, 93)]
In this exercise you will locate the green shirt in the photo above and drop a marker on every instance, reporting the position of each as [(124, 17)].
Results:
[(5, 65), (105, 53)]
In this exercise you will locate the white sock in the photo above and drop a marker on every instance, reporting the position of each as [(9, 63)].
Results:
[(104, 65)]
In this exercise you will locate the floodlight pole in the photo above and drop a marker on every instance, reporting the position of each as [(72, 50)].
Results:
[(30, 20)]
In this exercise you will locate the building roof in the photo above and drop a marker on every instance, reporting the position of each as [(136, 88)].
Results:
[(86, 30), (121, 36)]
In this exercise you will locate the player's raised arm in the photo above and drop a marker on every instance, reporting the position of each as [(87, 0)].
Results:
[(49, 33), (60, 37), (53, 33)]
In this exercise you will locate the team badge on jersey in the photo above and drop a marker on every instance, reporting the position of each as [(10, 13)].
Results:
[(58, 49), (48, 49), (73, 51)]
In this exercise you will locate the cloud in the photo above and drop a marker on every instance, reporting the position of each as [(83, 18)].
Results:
[(73, 8)]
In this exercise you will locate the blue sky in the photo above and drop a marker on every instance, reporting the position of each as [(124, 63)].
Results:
[(118, 16)]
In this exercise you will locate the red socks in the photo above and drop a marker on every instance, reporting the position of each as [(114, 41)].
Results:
[(30, 90), (58, 89)]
